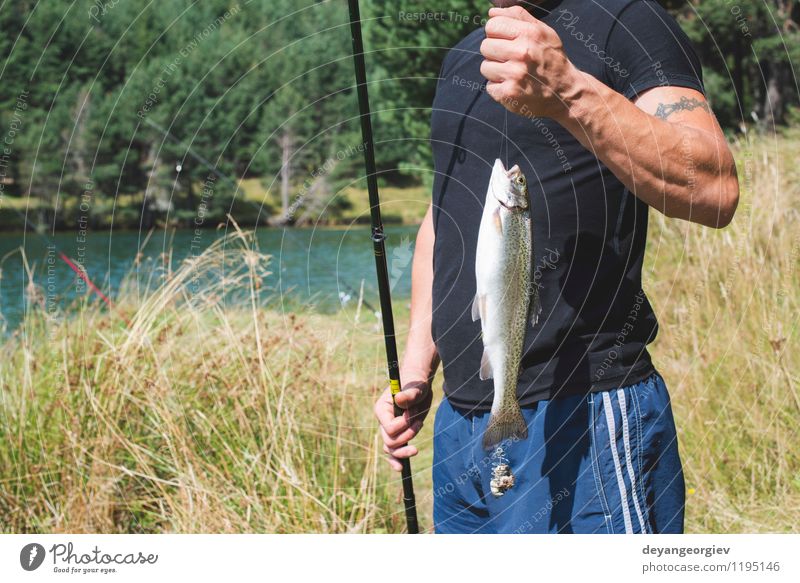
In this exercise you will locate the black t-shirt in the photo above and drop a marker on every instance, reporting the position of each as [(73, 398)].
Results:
[(589, 231)]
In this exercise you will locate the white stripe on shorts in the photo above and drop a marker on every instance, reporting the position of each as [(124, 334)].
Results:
[(628, 462), (623, 492)]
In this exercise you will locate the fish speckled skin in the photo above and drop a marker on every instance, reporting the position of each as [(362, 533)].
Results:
[(505, 299)]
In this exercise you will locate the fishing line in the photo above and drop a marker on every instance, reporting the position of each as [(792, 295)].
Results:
[(505, 134), (504, 140)]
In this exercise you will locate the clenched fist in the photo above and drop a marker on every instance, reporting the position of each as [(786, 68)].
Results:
[(526, 67)]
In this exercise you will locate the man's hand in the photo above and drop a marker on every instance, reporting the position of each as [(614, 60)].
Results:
[(415, 399), (526, 67), (648, 145)]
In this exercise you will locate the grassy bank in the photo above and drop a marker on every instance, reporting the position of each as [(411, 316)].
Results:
[(399, 205), (192, 416), (252, 206), (198, 417)]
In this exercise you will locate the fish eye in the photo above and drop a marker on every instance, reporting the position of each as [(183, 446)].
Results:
[(520, 180)]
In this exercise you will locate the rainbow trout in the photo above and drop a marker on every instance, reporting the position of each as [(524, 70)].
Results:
[(505, 300)]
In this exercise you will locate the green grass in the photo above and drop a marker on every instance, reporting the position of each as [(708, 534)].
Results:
[(196, 416), (405, 205)]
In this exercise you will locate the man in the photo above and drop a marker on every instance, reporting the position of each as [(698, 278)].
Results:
[(606, 117)]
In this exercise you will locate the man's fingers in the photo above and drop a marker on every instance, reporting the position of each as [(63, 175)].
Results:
[(493, 71), (517, 12), (409, 397), (395, 464), (394, 455), (405, 451), (384, 409), (502, 93), (403, 437), (505, 28), (396, 432), (499, 49), (501, 72), (394, 426)]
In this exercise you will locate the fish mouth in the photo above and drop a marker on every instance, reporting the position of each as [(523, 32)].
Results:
[(512, 174)]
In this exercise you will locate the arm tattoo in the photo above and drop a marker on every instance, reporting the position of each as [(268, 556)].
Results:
[(664, 110)]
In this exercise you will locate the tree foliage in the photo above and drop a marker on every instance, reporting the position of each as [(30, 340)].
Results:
[(123, 101)]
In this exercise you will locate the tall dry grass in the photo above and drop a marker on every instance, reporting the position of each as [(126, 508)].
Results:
[(200, 415), (191, 417), (728, 304)]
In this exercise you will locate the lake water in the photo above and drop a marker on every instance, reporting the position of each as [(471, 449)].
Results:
[(321, 267)]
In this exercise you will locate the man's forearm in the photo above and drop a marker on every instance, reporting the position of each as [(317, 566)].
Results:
[(683, 171), (420, 359)]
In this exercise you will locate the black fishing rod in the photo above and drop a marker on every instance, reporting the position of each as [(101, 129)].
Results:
[(379, 248)]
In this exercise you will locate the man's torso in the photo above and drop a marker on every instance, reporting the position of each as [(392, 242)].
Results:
[(589, 231)]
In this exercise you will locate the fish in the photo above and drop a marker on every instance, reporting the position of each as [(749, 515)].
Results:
[(505, 300)]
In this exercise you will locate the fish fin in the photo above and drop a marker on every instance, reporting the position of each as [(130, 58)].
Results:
[(486, 367), (508, 424), (498, 221), (478, 307)]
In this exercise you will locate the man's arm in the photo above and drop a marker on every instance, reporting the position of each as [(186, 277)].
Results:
[(666, 147), (420, 359)]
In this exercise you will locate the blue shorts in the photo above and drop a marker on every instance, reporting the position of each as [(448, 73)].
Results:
[(606, 462)]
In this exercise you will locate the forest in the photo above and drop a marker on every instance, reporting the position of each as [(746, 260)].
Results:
[(181, 112)]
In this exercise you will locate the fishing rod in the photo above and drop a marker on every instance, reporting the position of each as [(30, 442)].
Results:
[(378, 237)]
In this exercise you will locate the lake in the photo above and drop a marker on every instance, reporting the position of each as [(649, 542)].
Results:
[(321, 267)]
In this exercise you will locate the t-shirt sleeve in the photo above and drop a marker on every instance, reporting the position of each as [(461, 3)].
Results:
[(650, 49)]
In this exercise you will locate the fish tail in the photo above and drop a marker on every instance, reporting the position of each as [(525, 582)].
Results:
[(507, 424)]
